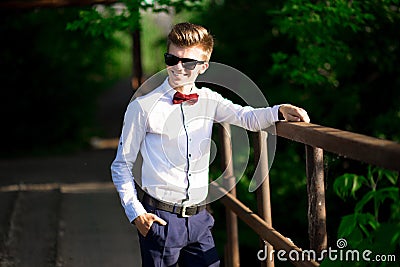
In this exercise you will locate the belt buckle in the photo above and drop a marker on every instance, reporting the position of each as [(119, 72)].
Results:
[(183, 212)]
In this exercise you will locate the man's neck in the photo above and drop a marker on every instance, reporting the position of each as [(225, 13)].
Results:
[(186, 89)]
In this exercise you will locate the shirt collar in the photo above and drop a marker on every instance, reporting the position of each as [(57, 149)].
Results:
[(169, 91)]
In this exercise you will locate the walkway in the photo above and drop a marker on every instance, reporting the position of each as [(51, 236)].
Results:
[(63, 210)]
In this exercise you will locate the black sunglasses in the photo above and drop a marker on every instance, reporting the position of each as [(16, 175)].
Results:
[(187, 63)]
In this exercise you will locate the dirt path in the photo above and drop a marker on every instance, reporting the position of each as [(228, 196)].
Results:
[(79, 228), (94, 232), (63, 210)]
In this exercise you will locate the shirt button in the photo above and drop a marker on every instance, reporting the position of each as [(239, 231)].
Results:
[(190, 155), (190, 174)]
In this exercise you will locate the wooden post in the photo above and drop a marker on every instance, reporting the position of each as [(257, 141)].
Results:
[(232, 246), (263, 192), (137, 70), (316, 199)]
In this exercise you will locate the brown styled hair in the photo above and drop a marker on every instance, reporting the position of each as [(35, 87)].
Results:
[(186, 34)]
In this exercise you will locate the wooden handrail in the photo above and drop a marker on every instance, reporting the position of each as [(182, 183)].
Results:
[(261, 227), (316, 138), (375, 151)]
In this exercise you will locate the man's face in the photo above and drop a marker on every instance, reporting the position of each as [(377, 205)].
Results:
[(179, 75)]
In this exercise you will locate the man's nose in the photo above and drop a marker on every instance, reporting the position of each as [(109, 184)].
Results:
[(180, 65)]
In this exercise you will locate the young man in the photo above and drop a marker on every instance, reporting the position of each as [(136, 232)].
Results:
[(171, 128)]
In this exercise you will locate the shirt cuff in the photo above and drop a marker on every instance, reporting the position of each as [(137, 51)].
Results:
[(275, 113), (135, 212)]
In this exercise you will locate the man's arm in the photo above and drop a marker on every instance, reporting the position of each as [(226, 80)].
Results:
[(255, 119), (133, 133)]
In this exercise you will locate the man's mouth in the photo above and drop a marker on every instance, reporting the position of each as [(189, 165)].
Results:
[(179, 74)]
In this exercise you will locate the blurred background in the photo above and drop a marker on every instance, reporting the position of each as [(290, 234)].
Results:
[(67, 74)]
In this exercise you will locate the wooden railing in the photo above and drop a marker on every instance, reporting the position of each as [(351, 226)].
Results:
[(317, 139)]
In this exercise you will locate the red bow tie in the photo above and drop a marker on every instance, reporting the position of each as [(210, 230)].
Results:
[(190, 98)]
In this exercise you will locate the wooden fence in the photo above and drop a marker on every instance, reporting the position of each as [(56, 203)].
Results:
[(317, 139)]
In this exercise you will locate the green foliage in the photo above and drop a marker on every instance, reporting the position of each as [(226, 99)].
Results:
[(348, 184), (124, 16), (50, 81), (374, 225), (106, 20), (340, 54), (153, 44), (321, 31), (319, 54), (338, 60)]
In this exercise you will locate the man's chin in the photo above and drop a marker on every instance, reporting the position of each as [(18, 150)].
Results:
[(179, 83)]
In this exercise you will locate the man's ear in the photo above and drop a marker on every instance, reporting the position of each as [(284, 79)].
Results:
[(204, 67)]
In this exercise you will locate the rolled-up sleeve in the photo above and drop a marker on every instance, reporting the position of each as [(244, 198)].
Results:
[(133, 133), (253, 119)]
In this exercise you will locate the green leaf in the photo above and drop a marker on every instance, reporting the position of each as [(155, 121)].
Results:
[(348, 184), (380, 196), (351, 225), (387, 237), (347, 225), (366, 220), (391, 176)]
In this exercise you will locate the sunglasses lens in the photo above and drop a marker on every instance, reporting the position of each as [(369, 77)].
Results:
[(190, 65), (187, 63), (170, 60)]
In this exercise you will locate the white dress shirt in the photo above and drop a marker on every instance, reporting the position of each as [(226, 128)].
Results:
[(174, 141)]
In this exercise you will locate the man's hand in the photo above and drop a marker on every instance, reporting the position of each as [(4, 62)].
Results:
[(145, 221), (293, 113)]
